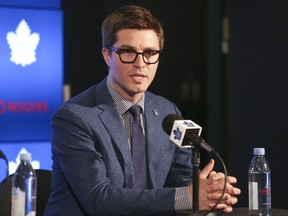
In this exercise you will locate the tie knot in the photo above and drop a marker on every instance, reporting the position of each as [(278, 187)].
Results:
[(135, 110)]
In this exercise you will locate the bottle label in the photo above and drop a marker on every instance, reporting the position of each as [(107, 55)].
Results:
[(17, 202), (259, 187), (253, 196)]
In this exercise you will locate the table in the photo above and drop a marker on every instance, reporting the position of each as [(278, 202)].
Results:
[(243, 211)]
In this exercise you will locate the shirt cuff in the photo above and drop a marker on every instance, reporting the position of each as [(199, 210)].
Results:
[(182, 199)]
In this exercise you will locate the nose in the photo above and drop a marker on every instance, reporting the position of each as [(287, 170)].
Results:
[(139, 62)]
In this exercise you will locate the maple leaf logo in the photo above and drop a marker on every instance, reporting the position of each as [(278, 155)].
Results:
[(23, 44), (189, 124), (177, 134)]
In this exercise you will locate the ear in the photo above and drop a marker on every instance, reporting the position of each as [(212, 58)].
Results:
[(106, 56)]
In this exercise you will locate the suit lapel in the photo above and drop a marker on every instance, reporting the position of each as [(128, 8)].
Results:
[(153, 130), (154, 139), (114, 125), (111, 119)]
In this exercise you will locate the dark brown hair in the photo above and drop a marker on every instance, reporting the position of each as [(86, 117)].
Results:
[(130, 17)]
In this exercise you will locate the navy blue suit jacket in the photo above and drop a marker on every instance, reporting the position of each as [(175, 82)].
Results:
[(92, 164)]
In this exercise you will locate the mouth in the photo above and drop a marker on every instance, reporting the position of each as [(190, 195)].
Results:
[(137, 77)]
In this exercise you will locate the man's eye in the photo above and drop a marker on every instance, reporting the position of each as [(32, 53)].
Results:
[(150, 52), (127, 51)]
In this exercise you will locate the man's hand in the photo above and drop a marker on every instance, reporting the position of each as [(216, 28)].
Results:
[(211, 185)]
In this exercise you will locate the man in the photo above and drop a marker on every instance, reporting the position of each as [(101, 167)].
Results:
[(92, 136)]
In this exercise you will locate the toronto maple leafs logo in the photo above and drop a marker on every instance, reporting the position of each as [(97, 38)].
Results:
[(189, 124), (23, 44), (177, 133)]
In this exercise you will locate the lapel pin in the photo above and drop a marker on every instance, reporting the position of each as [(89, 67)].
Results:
[(155, 112)]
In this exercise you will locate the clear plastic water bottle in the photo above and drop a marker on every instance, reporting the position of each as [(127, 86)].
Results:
[(24, 186), (259, 185)]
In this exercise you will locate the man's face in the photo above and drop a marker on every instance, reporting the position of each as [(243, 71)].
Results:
[(132, 79)]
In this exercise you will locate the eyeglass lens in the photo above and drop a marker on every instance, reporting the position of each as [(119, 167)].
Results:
[(129, 56)]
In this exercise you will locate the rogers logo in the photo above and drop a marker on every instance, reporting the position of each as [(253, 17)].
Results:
[(24, 107), (2, 107)]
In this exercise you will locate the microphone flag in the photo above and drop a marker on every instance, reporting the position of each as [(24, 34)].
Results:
[(180, 128)]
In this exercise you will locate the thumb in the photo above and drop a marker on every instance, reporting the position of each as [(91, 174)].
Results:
[(207, 169)]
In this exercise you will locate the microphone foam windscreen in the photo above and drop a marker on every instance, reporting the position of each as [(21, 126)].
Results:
[(168, 122)]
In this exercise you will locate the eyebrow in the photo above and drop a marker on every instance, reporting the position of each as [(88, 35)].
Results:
[(133, 48)]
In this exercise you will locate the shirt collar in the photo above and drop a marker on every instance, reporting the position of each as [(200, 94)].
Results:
[(121, 103)]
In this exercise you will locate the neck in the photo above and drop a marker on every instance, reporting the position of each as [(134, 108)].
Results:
[(134, 98)]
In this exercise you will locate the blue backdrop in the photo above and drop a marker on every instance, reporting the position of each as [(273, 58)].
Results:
[(31, 78)]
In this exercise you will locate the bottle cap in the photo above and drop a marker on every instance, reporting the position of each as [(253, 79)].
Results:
[(25, 156), (259, 151)]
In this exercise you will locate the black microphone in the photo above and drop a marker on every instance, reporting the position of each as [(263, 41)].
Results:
[(3, 156), (184, 132)]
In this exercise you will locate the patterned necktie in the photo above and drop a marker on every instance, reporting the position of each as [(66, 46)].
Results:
[(138, 149)]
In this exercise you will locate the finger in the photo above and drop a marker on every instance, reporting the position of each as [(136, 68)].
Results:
[(219, 176), (223, 207), (231, 179), (212, 173), (220, 206), (226, 199), (207, 169), (232, 190), (216, 197), (216, 182), (228, 209), (231, 201), (217, 187)]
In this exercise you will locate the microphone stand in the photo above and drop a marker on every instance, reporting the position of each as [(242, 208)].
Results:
[(195, 163), (195, 166), (196, 171)]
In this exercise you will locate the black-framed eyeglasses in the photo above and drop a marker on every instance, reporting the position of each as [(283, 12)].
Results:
[(130, 55)]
